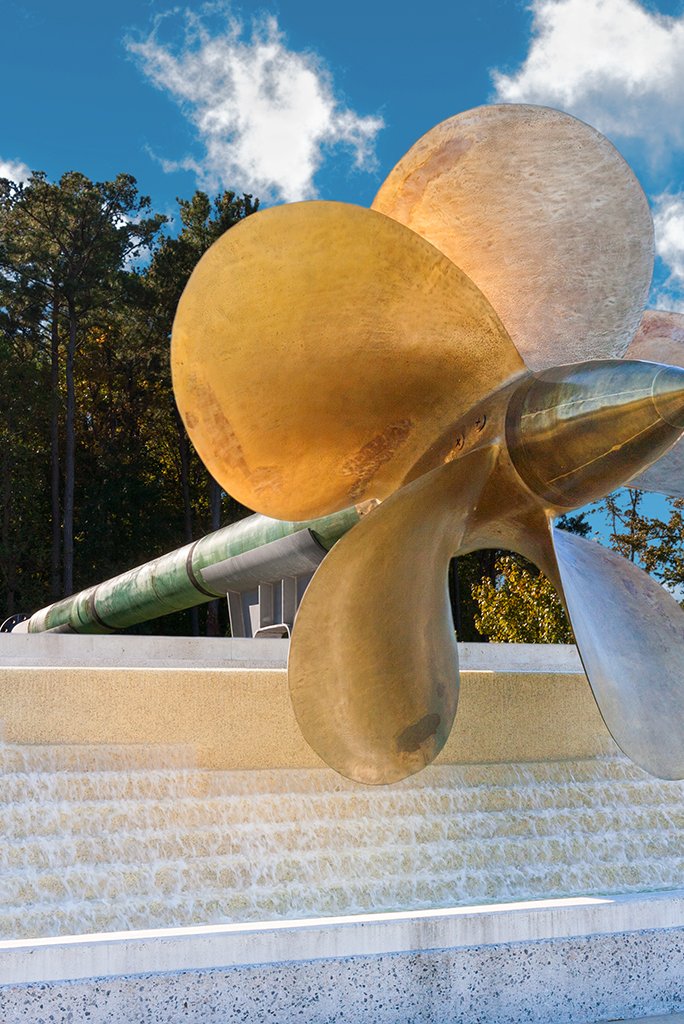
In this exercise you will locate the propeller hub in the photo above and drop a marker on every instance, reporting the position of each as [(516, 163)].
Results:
[(668, 395), (577, 432)]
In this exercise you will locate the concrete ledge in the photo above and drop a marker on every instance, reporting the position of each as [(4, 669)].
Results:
[(51, 650), (605, 977), (287, 942), (242, 718), (670, 1018), (70, 651)]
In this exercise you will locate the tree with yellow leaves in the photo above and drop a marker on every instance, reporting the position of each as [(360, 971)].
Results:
[(520, 606)]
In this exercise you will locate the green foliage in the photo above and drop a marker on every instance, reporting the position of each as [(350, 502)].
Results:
[(578, 524), (24, 510), (655, 544), (466, 572), (520, 606), (63, 252), (515, 603), (91, 441)]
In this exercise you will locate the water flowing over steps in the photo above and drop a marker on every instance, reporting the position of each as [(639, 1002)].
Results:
[(114, 838)]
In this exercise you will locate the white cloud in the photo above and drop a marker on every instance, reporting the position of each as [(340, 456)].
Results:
[(15, 170), (612, 63), (264, 114), (668, 221)]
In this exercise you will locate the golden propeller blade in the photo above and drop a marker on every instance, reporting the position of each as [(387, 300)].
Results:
[(660, 338), (320, 348), (544, 215), (373, 666), (630, 636)]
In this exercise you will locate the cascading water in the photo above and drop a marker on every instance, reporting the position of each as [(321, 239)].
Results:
[(112, 838)]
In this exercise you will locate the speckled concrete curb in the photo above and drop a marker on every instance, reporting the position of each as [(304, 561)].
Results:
[(560, 981), (546, 962), (232, 945)]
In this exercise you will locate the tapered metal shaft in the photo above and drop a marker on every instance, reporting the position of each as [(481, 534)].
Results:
[(577, 432)]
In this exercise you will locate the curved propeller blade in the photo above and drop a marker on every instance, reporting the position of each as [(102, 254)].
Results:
[(542, 212), (630, 635), (373, 666), (319, 349), (660, 338)]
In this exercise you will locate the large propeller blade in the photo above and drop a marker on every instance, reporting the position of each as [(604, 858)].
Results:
[(373, 665), (320, 348), (542, 212), (660, 338), (630, 635)]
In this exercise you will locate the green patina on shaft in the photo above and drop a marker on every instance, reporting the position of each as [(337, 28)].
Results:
[(166, 584)]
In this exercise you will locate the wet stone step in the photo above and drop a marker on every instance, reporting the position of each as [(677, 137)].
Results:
[(134, 846), (111, 785), (121, 838), (27, 817), (628, 859), (435, 776), (301, 900)]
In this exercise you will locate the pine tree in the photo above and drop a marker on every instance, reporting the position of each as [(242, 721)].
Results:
[(70, 242), (203, 221)]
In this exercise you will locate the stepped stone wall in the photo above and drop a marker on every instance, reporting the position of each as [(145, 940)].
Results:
[(124, 804)]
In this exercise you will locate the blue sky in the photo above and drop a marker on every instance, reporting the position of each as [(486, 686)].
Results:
[(81, 99), (186, 96), (182, 96)]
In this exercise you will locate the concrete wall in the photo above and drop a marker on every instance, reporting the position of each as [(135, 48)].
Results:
[(573, 981), (242, 718), (556, 961), (118, 650)]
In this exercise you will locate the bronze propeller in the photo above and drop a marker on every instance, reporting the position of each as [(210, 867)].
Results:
[(456, 354)]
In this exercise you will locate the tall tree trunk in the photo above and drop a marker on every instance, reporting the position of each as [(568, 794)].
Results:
[(634, 502), (455, 596), (55, 510), (70, 454), (215, 524), (184, 459), (184, 453), (6, 545)]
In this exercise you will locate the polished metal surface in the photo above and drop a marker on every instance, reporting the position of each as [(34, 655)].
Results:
[(661, 338), (325, 354), (576, 431), (386, 672), (319, 349), (544, 215), (373, 666), (294, 555), (630, 635)]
